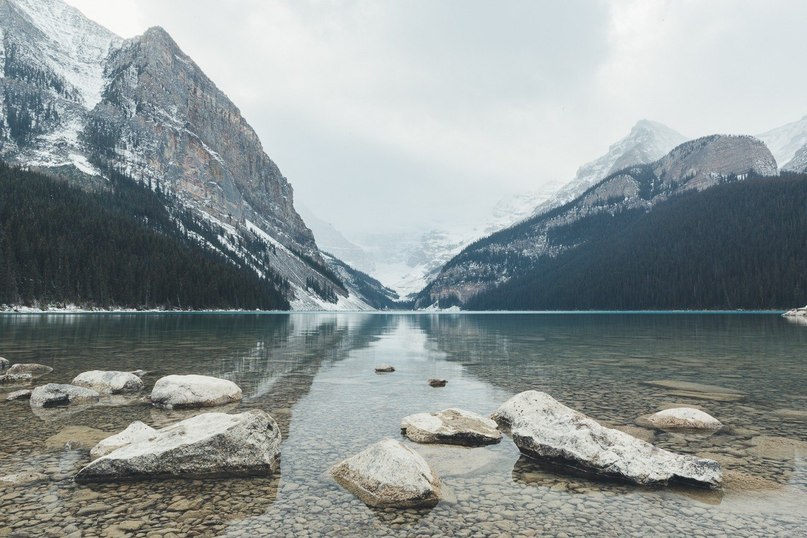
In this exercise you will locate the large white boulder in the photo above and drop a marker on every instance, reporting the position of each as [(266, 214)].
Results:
[(21, 373), (205, 446), (451, 427), (56, 394), (389, 474), (178, 391), (135, 432), (681, 418), (109, 382), (546, 430)]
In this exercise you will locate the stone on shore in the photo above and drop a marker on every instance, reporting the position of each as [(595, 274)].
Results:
[(135, 432), (384, 369), (437, 382), (22, 373), (388, 474), (209, 445), (548, 431), (183, 391), (109, 382), (451, 427), (686, 418), (56, 394), (23, 394)]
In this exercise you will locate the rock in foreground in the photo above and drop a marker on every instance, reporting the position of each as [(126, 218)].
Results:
[(546, 430), (682, 418), (205, 446), (109, 382), (389, 474), (183, 391), (451, 427), (56, 394)]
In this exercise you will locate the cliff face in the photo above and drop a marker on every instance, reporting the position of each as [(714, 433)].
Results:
[(79, 102), (695, 165)]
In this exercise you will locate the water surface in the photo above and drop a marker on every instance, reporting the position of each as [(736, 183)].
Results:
[(314, 374)]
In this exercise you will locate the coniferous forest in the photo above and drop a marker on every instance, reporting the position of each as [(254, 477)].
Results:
[(120, 247), (739, 245)]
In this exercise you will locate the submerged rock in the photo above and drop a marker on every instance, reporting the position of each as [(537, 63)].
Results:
[(24, 394), (135, 432), (548, 431), (21, 373), (205, 446), (451, 427), (55, 394), (73, 437), (389, 474), (178, 391), (681, 418), (109, 382), (384, 369), (22, 478), (437, 382)]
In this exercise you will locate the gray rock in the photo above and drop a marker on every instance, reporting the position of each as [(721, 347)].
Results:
[(546, 430), (451, 427), (4, 364), (109, 382), (205, 446), (135, 432), (22, 478), (389, 474), (24, 394), (55, 394), (184, 391), (437, 382), (384, 369), (681, 418), (20, 373)]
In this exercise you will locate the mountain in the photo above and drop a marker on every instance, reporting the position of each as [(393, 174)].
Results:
[(647, 141), (736, 245), (79, 102), (335, 243), (692, 166), (788, 144)]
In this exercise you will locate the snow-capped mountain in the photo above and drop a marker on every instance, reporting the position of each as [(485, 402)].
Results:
[(78, 101), (788, 144), (647, 141), (694, 165)]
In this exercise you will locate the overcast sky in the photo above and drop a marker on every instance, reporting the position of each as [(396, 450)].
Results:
[(417, 113)]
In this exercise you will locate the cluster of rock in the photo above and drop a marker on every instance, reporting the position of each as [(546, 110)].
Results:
[(388, 474), (23, 373)]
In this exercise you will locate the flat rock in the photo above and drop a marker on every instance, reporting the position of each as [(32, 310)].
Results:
[(548, 431), (384, 369), (24, 394), (25, 372), (109, 382), (451, 427), (205, 446), (135, 432), (22, 478), (680, 418), (689, 386), (183, 391), (437, 382), (797, 415), (453, 460), (55, 394), (73, 437), (711, 396), (389, 474), (777, 448)]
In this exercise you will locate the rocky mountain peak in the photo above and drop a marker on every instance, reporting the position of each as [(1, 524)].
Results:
[(785, 142)]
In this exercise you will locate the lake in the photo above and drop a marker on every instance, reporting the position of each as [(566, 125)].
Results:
[(314, 373)]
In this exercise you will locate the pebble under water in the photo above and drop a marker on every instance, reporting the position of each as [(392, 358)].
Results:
[(314, 373)]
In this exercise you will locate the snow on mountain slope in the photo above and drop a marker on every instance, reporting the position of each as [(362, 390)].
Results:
[(646, 142), (785, 141)]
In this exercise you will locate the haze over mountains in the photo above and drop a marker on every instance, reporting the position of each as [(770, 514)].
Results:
[(80, 103)]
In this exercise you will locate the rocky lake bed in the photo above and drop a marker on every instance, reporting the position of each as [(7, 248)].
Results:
[(659, 379)]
